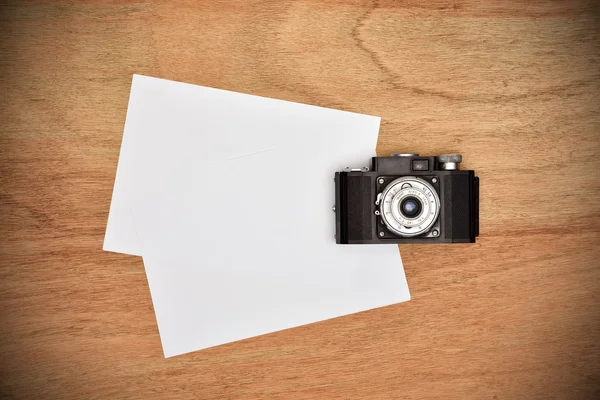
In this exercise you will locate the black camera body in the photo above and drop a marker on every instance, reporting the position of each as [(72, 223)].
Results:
[(406, 198)]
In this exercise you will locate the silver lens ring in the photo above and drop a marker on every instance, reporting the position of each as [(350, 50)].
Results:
[(396, 192)]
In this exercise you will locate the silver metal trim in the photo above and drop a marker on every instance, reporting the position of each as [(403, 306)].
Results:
[(363, 169), (393, 195), (449, 166), (404, 155)]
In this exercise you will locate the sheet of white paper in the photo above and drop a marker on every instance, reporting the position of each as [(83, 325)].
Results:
[(238, 241), (219, 119)]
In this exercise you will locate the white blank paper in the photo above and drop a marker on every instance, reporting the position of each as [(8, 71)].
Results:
[(219, 121), (228, 198)]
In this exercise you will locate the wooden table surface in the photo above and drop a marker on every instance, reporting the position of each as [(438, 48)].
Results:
[(514, 86)]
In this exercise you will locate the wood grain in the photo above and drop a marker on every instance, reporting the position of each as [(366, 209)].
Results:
[(513, 86)]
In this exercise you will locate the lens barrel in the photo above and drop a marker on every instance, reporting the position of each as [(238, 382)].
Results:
[(411, 207)]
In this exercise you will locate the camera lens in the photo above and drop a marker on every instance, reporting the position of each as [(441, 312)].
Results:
[(410, 207)]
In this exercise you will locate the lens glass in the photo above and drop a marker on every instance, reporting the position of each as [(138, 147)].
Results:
[(410, 207)]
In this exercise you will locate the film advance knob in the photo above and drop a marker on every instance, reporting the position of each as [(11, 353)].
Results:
[(449, 162)]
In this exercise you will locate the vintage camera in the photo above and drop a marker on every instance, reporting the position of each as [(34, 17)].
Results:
[(406, 198)]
